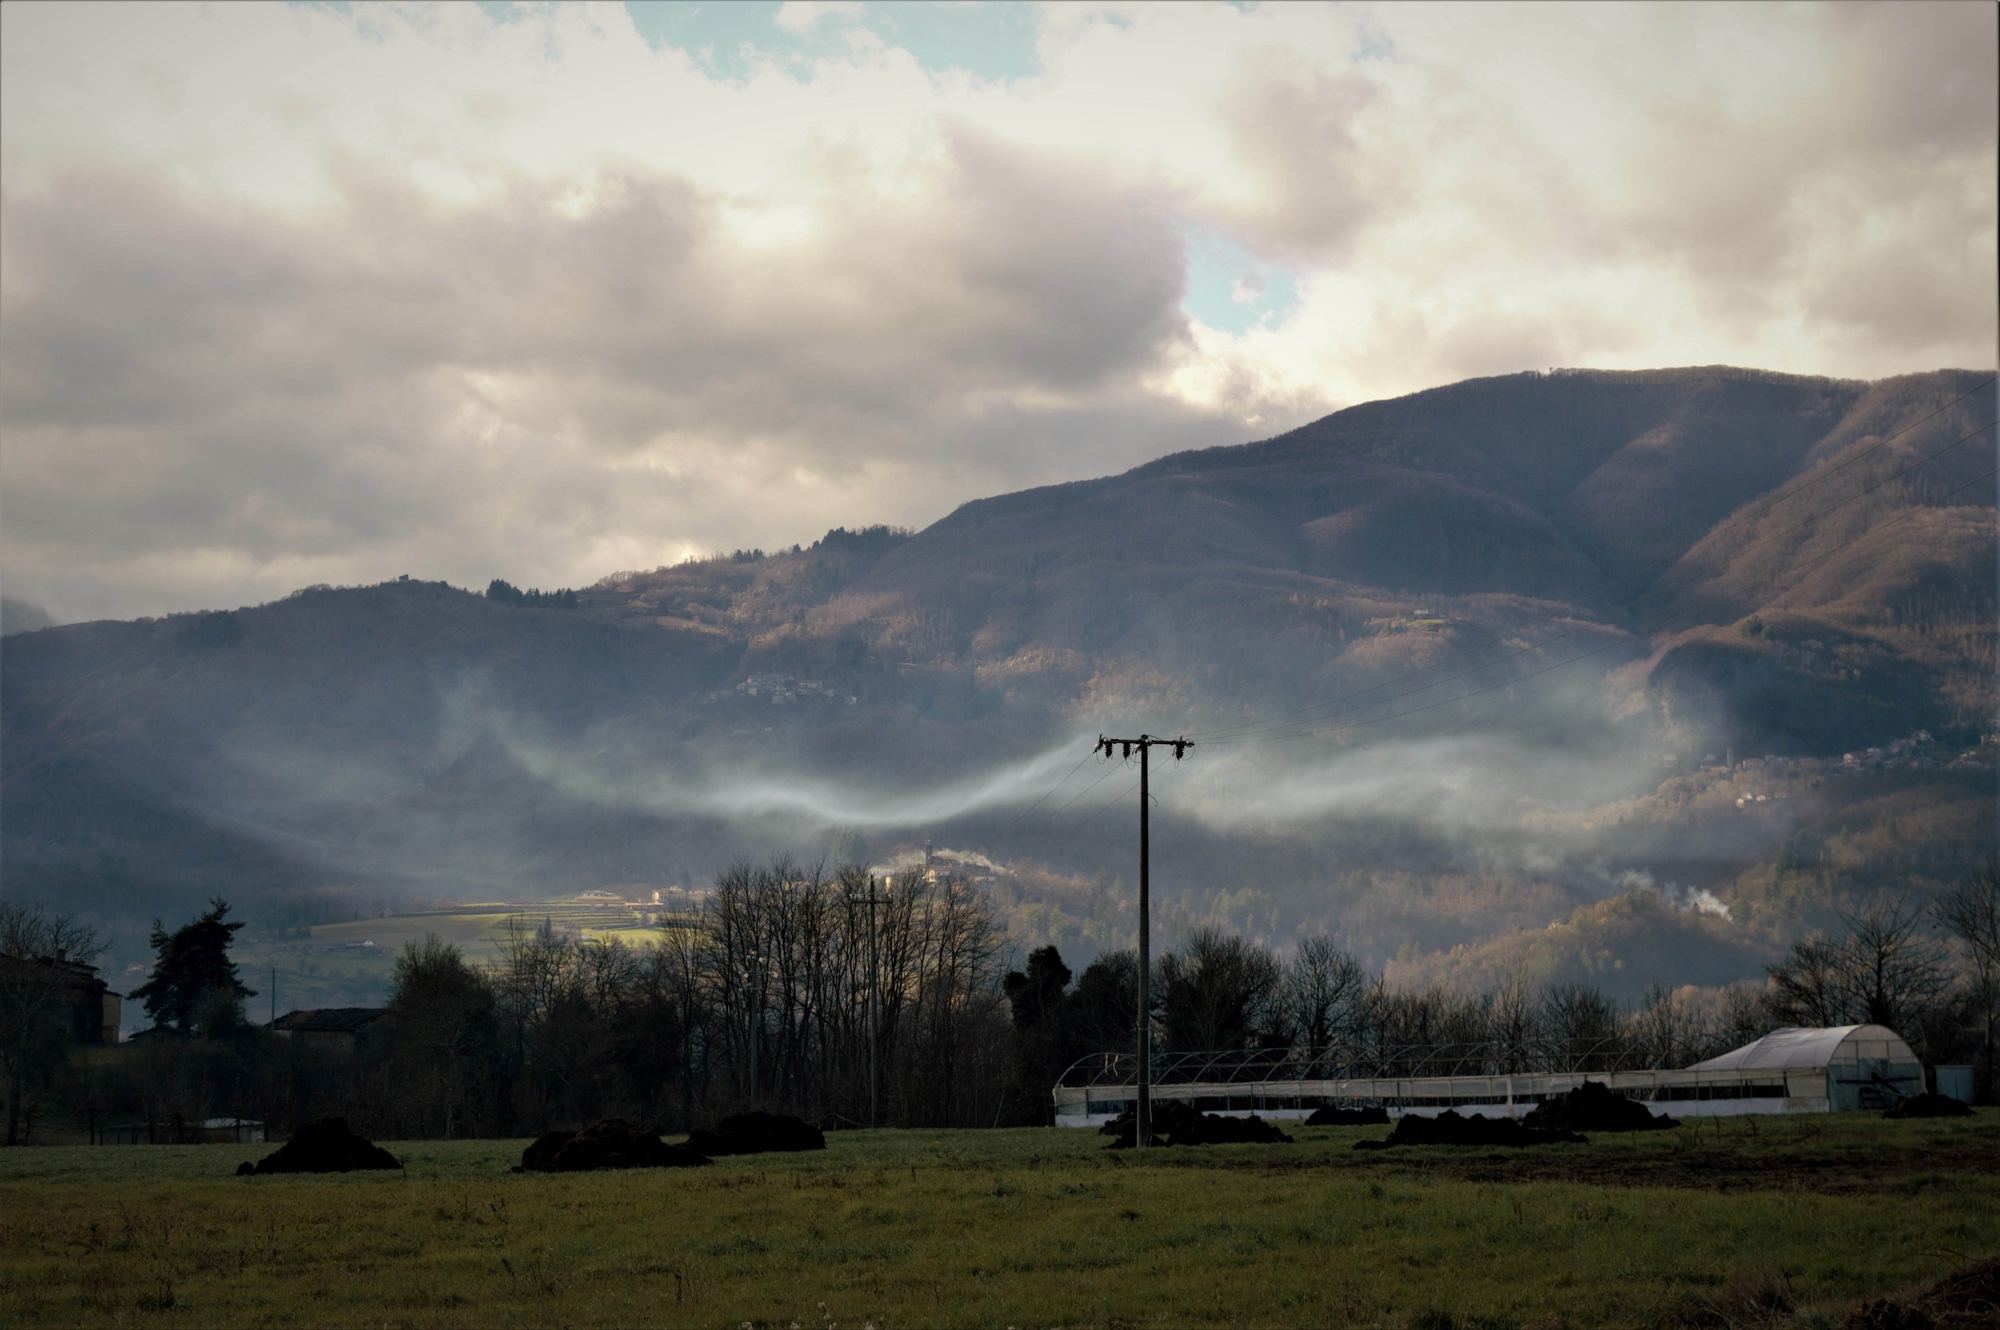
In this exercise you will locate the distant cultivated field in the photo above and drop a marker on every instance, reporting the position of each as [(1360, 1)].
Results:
[(1030, 1227), (360, 977)]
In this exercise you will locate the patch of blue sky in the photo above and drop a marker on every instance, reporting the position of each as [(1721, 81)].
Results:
[(992, 40), (1230, 290), (1374, 45)]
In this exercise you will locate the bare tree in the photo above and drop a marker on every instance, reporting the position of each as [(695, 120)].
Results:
[(1513, 1022), (1665, 1030), (1582, 1021), (1324, 993), (1432, 1030), (958, 993), (673, 967), (1745, 1017), (1809, 987), (1970, 913), (1894, 966), (1887, 969), (442, 1015), (1213, 990)]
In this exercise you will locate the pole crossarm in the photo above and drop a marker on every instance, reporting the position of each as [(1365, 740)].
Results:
[(1142, 1110), (1124, 747)]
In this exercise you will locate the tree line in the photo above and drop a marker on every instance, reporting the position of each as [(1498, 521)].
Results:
[(847, 999), (824, 993), (506, 593)]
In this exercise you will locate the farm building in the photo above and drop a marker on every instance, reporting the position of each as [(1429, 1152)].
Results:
[(64, 993), (331, 1027), (1787, 1071)]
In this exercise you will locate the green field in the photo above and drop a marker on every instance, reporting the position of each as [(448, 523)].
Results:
[(1028, 1227)]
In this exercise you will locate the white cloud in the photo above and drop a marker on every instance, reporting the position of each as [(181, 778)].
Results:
[(295, 296)]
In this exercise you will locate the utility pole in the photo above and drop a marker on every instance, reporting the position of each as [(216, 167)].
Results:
[(874, 1013), (1142, 1125), (274, 999)]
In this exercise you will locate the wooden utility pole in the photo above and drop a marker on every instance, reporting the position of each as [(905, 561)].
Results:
[(1142, 1125), (874, 1013)]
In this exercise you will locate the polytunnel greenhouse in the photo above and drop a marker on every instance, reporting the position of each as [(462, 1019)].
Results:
[(1791, 1070)]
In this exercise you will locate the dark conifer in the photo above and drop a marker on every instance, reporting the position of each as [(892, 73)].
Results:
[(194, 987)]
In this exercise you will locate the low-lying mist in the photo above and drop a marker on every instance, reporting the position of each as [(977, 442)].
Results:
[(505, 803)]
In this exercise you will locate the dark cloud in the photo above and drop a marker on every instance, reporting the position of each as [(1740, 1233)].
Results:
[(322, 297)]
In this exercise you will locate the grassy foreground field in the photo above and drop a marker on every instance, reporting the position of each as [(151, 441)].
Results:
[(1015, 1228)]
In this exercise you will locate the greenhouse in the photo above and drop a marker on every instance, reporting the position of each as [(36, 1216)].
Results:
[(1787, 1071)]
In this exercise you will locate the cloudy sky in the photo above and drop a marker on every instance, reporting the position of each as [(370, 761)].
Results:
[(328, 293)]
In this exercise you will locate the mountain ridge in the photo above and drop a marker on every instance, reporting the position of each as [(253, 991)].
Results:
[(1790, 593)]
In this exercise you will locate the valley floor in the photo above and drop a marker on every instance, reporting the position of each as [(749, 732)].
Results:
[(1724, 1223)]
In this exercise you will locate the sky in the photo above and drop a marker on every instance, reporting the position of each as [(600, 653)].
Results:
[(295, 294)]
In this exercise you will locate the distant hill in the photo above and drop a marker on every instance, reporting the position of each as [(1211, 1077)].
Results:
[(1618, 569)]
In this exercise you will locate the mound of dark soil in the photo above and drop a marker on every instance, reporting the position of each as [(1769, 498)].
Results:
[(1594, 1106), (1215, 1129), (1882, 1314), (325, 1146), (1960, 1300), (611, 1143), (540, 1157), (1448, 1128), (757, 1133), (1975, 1288), (1928, 1105), (1348, 1117), (1174, 1123)]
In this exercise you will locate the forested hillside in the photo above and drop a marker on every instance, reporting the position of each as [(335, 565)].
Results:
[(1461, 666)]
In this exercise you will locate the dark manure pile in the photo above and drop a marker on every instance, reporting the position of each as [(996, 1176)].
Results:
[(1174, 1123), (1966, 1297), (1928, 1105), (1594, 1106), (1448, 1128), (325, 1146), (611, 1143), (1348, 1117), (756, 1134)]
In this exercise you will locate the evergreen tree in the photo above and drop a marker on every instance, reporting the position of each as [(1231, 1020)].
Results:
[(194, 987), (1037, 995)]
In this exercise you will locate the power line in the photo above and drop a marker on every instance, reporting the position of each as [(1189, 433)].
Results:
[(1109, 804), (1108, 770), (1057, 786)]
